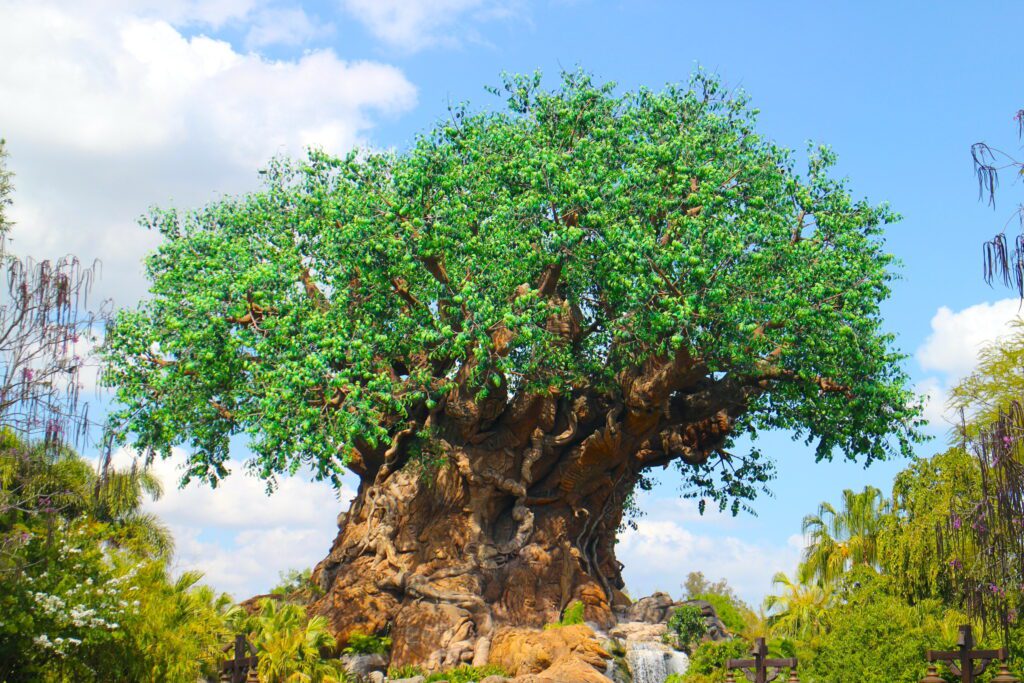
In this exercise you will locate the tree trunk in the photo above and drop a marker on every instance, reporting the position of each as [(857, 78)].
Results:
[(518, 520), (442, 557)]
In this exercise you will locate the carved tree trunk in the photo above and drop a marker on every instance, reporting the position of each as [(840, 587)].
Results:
[(518, 522)]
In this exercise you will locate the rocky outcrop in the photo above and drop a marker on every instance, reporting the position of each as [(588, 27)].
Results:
[(569, 653), (657, 608)]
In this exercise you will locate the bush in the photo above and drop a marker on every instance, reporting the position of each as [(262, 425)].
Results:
[(406, 671), (572, 615), (363, 644), (686, 627), (876, 637), (727, 609), (467, 674), (707, 663)]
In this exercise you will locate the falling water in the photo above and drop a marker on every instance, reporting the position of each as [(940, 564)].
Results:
[(651, 662)]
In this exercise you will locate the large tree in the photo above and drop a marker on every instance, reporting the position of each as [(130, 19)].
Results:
[(503, 330)]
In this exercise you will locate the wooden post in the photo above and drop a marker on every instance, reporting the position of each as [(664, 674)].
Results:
[(759, 666), (244, 661), (962, 660)]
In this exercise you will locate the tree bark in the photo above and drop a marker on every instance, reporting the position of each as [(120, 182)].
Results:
[(518, 522)]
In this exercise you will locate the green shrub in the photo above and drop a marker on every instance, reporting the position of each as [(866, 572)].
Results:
[(686, 627), (572, 615), (876, 637), (467, 674), (407, 671), (707, 663), (362, 644), (727, 609)]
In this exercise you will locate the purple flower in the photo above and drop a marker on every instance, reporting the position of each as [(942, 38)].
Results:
[(956, 521)]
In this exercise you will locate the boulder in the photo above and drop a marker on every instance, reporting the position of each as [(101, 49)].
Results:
[(716, 627), (362, 665), (568, 653), (566, 671), (654, 609), (414, 679), (638, 630)]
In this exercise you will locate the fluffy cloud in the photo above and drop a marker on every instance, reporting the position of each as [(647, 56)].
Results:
[(951, 350), (240, 536), (110, 108), (660, 552), (411, 25)]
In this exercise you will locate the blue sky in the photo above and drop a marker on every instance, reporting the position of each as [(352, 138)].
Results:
[(110, 107)]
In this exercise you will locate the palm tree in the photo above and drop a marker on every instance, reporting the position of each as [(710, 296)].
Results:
[(40, 482), (840, 539), (800, 610), (290, 646), (117, 499)]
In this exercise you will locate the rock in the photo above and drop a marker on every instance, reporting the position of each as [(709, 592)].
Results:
[(716, 627), (495, 679), (557, 651), (654, 609), (566, 671), (363, 665), (638, 630), (414, 679)]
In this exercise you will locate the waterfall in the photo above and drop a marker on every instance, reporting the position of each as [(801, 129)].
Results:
[(652, 662)]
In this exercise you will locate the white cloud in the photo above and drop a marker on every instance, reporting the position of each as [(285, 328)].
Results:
[(957, 336), (412, 25), (240, 537), (660, 552), (951, 350), (109, 109), (284, 26)]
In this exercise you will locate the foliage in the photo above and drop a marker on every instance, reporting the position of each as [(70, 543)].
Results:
[(40, 483), (296, 583), (354, 300), (1002, 256), (707, 663), (800, 611), (572, 615), (697, 584), (840, 539), (85, 592), (733, 612), (923, 495), (289, 645), (467, 674), (686, 626), (5, 188), (81, 610), (363, 644), (406, 671), (876, 637)]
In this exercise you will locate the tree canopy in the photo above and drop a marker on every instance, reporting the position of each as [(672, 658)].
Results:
[(639, 248)]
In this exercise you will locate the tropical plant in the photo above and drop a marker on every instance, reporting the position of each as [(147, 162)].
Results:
[(686, 626), (876, 637), (923, 495), (571, 615), (840, 539), (290, 646), (367, 644), (707, 663), (597, 283), (467, 674), (800, 610)]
